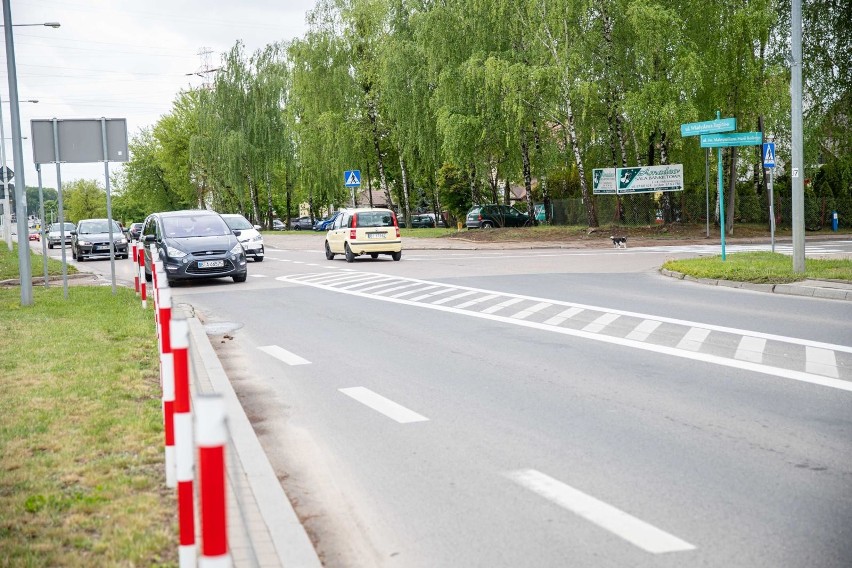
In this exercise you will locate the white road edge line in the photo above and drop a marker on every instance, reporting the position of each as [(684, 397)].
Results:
[(283, 355), (383, 405), (637, 532)]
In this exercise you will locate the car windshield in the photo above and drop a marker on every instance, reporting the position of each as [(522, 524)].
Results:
[(55, 227), (195, 226), (237, 222), (375, 219), (97, 226)]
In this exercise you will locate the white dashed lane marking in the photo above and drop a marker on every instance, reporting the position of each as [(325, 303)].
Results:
[(635, 531), (283, 355), (383, 405)]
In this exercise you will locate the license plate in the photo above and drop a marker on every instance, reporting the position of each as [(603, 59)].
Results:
[(211, 263), (375, 235), (102, 247)]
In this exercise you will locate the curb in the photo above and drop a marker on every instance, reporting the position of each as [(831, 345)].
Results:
[(815, 290), (289, 538)]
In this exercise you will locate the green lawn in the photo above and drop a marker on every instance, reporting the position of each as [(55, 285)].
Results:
[(761, 267), (9, 264)]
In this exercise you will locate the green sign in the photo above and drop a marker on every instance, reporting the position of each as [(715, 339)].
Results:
[(603, 180), (650, 179), (708, 127), (732, 139)]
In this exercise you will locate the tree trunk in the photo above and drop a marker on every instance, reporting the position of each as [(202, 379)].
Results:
[(507, 194), (369, 186), (525, 157), (542, 176), (288, 198), (591, 213), (383, 180), (732, 197), (473, 196), (493, 182), (268, 221), (668, 214), (407, 211)]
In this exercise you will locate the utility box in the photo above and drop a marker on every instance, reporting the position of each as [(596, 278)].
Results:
[(834, 221)]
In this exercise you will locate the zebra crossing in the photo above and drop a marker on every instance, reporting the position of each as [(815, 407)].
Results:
[(804, 360)]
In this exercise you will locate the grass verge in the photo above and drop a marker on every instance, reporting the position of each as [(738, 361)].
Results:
[(761, 267), (81, 462), (9, 264)]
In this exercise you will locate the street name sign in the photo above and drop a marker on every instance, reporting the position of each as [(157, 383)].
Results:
[(352, 178), (650, 179), (732, 139), (708, 127)]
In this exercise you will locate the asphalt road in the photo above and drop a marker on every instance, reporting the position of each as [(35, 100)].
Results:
[(541, 408)]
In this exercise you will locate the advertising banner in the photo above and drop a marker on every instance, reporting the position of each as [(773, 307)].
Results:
[(650, 179), (603, 180)]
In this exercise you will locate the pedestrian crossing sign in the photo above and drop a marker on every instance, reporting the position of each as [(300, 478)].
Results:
[(769, 155), (352, 178)]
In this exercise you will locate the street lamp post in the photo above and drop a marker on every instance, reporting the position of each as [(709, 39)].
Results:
[(24, 267), (7, 214)]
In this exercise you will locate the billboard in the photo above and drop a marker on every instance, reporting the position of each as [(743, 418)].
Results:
[(603, 180), (650, 179)]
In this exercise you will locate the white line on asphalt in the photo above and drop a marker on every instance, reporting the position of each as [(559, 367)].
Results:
[(562, 316), (600, 323), (552, 326), (497, 307), (366, 282), (693, 339), (383, 405), (643, 330), (430, 294), (820, 361), (284, 355), (258, 275), (457, 296), (523, 314), (751, 349), (637, 532), (410, 292)]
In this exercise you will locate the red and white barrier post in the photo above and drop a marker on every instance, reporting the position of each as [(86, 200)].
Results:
[(167, 379), (143, 288), (134, 257), (184, 449), (212, 436)]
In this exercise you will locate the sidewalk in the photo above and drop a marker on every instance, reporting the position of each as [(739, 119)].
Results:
[(263, 529)]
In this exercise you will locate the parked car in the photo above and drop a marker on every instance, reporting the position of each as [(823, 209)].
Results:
[(488, 216), (54, 234), (278, 225), (249, 235), (301, 223), (364, 231), (325, 224), (135, 231), (422, 221), (91, 239), (34, 235), (194, 244)]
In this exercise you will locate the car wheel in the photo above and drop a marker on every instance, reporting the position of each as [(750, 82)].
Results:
[(328, 254), (73, 253), (148, 276), (350, 256), (50, 245), (396, 255), (258, 259), (240, 277), (487, 225), (374, 255), (298, 228)]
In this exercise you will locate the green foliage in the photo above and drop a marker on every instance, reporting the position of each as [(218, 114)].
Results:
[(454, 190), (84, 199), (748, 208), (760, 267)]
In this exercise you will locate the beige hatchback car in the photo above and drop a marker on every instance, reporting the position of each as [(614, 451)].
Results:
[(364, 231)]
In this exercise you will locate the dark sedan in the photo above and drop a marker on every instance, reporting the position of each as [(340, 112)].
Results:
[(301, 223), (91, 239), (489, 216)]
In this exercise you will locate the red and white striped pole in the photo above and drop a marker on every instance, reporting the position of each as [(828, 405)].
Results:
[(167, 379), (143, 289), (134, 257), (184, 449), (211, 436)]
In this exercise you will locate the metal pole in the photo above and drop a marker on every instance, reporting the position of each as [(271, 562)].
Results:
[(43, 225), (109, 205), (796, 137), (7, 215), (721, 191), (24, 268), (772, 207), (60, 207), (707, 188)]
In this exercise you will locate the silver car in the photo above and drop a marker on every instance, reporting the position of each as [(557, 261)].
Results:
[(54, 235)]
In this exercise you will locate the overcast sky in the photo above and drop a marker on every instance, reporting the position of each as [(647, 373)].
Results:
[(125, 59)]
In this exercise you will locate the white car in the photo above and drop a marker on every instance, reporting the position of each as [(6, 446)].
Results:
[(54, 236), (364, 231), (249, 236)]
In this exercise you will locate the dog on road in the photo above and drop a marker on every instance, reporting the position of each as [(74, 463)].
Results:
[(619, 242)]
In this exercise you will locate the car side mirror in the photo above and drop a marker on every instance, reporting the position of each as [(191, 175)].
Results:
[(73, 232), (150, 238), (256, 227), (237, 233)]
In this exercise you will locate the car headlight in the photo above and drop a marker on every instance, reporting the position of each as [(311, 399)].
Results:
[(257, 239), (175, 252), (238, 249), (122, 241), (84, 243)]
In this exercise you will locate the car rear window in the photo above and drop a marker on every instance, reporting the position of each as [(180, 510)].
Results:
[(375, 219), (237, 222)]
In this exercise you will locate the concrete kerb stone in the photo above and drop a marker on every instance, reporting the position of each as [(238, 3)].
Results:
[(811, 289), (292, 545)]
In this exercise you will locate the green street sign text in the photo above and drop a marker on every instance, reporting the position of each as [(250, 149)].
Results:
[(708, 127), (732, 139)]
